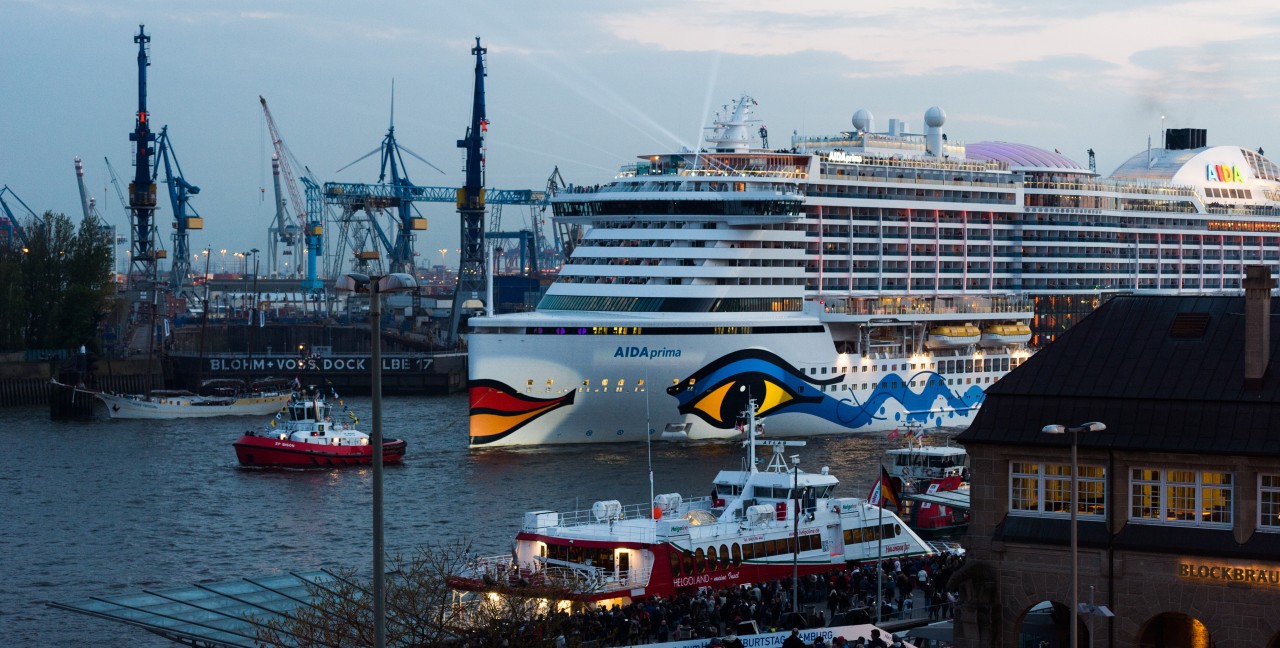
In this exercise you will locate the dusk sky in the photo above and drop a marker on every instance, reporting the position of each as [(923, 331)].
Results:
[(587, 86)]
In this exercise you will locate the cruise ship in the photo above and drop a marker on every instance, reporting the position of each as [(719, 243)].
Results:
[(850, 283)]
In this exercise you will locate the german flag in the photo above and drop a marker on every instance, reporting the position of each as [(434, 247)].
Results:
[(884, 493)]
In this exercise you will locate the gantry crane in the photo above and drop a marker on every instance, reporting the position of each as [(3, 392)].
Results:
[(291, 219), (394, 193), (185, 217), (142, 191)]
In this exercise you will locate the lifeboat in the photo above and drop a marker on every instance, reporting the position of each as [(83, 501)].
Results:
[(948, 337), (998, 335)]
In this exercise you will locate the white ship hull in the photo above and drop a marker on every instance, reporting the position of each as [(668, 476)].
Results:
[(532, 389), (121, 406)]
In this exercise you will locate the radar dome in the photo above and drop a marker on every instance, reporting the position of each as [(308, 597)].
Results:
[(863, 120), (935, 117)]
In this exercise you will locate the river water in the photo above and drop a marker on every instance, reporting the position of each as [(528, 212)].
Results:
[(111, 507)]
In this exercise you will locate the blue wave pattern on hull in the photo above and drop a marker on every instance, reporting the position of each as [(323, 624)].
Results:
[(719, 391)]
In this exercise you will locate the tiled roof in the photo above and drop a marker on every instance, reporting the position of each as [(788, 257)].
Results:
[(1136, 365)]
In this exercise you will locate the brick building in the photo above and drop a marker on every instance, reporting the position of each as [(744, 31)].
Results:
[(1178, 506)]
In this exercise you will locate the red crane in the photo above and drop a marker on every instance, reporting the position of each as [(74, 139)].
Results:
[(288, 235)]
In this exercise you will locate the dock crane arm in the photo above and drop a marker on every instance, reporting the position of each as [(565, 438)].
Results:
[(286, 235), (184, 216), (13, 225)]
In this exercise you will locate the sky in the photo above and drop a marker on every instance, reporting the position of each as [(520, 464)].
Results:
[(586, 87)]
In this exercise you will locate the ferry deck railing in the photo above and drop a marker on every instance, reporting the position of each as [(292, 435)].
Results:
[(580, 578)]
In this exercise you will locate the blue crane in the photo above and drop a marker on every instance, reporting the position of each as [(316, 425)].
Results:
[(314, 235), (10, 227), (398, 196), (185, 217)]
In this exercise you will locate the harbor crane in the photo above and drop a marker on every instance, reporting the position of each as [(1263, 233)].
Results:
[(185, 217), (291, 218), (10, 227), (393, 193), (472, 274), (142, 191)]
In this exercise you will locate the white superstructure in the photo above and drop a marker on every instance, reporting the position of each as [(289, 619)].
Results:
[(842, 282)]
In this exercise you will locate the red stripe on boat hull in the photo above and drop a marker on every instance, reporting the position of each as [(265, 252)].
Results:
[(276, 453)]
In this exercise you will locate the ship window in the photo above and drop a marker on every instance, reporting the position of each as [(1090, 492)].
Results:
[(712, 561), (686, 562), (604, 383), (736, 558), (675, 562), (749, 551), (700, 561), (586, 383)]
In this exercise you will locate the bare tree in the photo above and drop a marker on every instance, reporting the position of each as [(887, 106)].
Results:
[(422, 609)]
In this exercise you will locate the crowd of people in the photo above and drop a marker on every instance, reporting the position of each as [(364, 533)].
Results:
[(839, 597)]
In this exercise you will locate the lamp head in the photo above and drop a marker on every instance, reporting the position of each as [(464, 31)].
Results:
[(396, 282), (352, 282), (1093, 426), (1053, 429)]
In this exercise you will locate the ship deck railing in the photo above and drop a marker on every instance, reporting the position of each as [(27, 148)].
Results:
[(1012, 305)]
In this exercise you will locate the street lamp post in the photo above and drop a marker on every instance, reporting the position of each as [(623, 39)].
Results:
[(375, 286), (795, 536), (1075, 543)]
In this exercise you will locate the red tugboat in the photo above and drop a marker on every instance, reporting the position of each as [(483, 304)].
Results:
[(304, 435), (934, 485)]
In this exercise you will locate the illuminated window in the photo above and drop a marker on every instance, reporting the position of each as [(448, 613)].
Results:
[(1180, 497), (1045, 489), (1269, 502)]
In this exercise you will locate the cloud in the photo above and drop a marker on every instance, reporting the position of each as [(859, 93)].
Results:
[(923, 36)]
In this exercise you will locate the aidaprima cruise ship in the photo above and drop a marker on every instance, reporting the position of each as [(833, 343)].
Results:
[(852, 283)]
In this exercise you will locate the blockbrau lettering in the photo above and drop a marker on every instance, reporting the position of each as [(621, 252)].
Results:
[(1229, 573)]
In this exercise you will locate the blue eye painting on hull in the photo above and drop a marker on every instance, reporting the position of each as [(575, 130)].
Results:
[(718, 392)]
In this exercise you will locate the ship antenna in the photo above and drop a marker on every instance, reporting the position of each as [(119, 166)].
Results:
[(751, 433)]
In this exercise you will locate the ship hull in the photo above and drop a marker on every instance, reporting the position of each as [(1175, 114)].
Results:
[(129, 407), (549, 389), (277, 453)]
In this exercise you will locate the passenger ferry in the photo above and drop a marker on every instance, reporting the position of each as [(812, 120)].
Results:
[(756, 526), (849, 283)]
